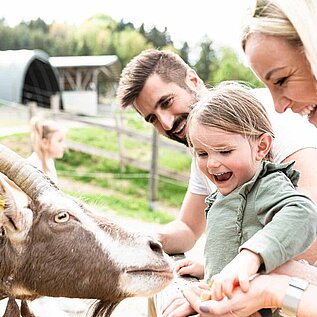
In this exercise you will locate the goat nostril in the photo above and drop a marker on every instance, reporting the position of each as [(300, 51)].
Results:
[(156, 246)]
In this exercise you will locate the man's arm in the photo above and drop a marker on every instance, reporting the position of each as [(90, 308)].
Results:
[(305, 163), (297, 269), (181, 234)]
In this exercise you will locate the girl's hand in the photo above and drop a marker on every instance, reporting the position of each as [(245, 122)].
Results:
[(189, 267), (236, 273)]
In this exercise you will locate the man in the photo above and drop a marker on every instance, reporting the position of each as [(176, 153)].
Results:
[(162, 88)]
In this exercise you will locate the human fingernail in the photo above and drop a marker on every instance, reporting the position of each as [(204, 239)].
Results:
[(204, 309)]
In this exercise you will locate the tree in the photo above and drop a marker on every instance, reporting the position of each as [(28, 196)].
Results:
[(157, 38), (38, 24), (123, 26), (207, 60), (95, 35), (230, 68), (128, 44), (184, 53), (6, 36)]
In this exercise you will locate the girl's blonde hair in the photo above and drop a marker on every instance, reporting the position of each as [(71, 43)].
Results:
[(294, 20), (231, 107), (41, 129)]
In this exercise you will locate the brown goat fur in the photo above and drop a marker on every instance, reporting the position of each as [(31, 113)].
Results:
[(57, 247)]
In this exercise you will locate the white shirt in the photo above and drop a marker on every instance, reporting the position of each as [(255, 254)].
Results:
[(36, 162), (292, 133)]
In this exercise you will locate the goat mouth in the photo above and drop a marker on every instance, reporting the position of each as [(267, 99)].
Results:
[(164, 272)]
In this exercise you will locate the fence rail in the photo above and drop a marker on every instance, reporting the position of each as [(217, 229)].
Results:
[(115, 122), (83, 148)]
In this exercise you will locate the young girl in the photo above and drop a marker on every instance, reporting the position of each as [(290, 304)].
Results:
[(256, 220), (48, 143)]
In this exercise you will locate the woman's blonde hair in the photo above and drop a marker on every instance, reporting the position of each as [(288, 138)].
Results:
[(231, 107), (294, 20), (42, 129)]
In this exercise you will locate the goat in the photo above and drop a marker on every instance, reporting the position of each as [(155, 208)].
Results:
[(57, 246)]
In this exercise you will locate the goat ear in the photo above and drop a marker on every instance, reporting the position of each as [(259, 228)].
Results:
[(16, 221)]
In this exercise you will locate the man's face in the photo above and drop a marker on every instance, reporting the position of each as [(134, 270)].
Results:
[(166, 106)]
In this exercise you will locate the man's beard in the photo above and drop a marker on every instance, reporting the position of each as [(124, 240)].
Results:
[(170, 133)]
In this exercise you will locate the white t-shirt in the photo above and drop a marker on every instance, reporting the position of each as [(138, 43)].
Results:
[(36, 162), (292, 133)]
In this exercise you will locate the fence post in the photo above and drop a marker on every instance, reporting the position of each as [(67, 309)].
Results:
[(32, 107), (119, 126), (55, 102), (154, 171)]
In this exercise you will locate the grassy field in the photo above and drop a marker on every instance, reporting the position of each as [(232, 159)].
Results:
[(129, 189)]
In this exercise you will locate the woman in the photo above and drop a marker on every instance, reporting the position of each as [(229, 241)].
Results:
[(280, 42)]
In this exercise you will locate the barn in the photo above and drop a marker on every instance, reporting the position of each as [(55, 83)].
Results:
[(27, 75)]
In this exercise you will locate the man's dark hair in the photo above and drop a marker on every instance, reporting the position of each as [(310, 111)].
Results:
[(167, 64)]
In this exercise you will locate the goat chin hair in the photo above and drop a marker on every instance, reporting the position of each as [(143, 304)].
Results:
[(103, 308)]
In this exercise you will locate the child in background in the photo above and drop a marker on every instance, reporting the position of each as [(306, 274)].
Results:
[(48, 144), (256, 218)]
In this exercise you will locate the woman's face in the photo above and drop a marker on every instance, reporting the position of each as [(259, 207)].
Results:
[(284, 69)]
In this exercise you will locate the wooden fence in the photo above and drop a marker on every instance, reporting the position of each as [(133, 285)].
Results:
[(116, 122)]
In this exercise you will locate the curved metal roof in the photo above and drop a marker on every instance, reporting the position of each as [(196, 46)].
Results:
[(110, 62), (15, 68)]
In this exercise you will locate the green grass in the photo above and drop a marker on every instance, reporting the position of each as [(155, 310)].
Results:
[(108, 140), (125, 206), (129, 189), (106, 173)]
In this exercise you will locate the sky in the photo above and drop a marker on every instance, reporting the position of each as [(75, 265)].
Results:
[(186, 20)]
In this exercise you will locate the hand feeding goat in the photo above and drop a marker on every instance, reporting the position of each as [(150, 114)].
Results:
[(58, 247)]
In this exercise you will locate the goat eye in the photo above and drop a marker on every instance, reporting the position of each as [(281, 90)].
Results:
[(62, 217)]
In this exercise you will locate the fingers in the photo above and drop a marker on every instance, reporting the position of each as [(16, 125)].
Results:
[(185, 270), (208, 308), (244, 281), (179, 307), (182, 263)]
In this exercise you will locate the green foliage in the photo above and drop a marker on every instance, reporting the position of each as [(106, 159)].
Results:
[(128, 44), (184, 53), (207, 60), (102, 35), (230, 68)]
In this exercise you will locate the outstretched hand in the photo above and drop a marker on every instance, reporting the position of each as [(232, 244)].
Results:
[(237, 273), (189, 267)]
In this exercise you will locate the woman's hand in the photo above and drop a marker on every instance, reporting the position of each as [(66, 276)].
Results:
[(265, 291)]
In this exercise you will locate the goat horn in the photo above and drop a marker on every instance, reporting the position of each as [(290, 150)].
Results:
[(32, 181)]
